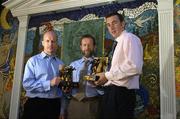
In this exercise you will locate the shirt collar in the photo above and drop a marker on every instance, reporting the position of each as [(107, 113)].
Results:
[(119, 37), (84, 58), (44, 55)]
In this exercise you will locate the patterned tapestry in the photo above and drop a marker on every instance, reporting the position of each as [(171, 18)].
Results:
[(144, 23), (141, 19), (177, 52), (8, 44)]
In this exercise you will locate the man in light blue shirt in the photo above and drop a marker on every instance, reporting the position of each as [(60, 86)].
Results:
[(84, 106), (41, 80), (90, 89)]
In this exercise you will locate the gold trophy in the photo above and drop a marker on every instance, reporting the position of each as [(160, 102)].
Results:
[(99, 65), (66, 77)]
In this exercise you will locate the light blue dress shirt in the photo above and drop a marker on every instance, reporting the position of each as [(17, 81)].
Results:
[(39, 70), (90, 90)]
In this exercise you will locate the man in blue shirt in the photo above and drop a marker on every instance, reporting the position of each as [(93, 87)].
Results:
[(40, 81), (85, 99)]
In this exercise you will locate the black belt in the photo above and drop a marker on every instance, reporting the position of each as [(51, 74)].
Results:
[(119, 87), (43, 99)]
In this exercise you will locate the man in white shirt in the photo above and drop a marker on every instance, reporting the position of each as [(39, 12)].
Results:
[(123, 77)]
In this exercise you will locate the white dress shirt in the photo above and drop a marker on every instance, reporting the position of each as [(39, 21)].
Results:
[(127, 62)]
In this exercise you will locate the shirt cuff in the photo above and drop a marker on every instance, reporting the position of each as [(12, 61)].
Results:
[(109, 76), (46, 85), (115, 75)]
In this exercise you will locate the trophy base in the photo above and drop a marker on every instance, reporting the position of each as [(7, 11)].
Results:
[(91, 77)]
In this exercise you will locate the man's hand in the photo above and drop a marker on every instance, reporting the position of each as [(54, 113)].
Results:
[(102, 79), (55, 81), (92, 83)]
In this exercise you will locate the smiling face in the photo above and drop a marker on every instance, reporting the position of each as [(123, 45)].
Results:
[(87, 47), (49, 43), (114, 25)]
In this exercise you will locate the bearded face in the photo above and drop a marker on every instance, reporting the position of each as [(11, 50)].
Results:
[(87, 47), (88, 53)]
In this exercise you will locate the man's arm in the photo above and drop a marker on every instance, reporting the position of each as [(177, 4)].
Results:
[(30, 83)]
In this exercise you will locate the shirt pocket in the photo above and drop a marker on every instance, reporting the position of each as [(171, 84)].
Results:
[(41, 71)]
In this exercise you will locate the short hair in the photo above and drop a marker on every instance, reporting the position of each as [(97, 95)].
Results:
[(88, 36), (120, 16)]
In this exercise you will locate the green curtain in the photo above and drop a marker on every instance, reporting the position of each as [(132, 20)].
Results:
[(72, 34)]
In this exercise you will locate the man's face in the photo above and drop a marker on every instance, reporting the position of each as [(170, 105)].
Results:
[(49, 43), (114, 25), (87, 47)]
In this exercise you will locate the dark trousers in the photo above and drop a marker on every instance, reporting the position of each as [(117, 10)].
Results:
[(118, 103), (41, 108)]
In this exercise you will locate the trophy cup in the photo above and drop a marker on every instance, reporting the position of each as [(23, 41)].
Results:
[(66, 82), (99, 65)]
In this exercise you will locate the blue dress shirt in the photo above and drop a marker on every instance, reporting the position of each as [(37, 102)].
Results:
[(39, 70), (90, 90)]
